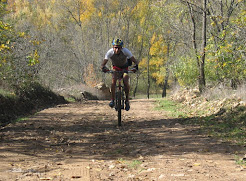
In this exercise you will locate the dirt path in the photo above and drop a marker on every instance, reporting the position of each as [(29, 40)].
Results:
[(82, 142)]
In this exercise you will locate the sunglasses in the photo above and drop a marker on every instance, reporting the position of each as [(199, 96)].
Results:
[(117, 47)]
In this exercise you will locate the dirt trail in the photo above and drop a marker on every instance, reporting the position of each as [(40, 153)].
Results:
[(82, 142)]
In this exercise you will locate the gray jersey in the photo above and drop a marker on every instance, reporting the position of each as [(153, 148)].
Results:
[(118, 60)]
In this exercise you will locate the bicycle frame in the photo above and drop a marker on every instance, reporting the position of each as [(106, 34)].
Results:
[(119, 95), (119, 92)]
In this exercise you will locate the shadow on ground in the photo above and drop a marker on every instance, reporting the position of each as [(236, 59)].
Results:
[(76, 132)]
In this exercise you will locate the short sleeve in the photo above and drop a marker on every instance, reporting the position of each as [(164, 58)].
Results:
[(127, 53), (109, 54)]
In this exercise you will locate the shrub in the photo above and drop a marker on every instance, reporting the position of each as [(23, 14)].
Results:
[(29, 97)]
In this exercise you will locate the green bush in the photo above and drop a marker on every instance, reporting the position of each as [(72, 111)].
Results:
[(186, 71)]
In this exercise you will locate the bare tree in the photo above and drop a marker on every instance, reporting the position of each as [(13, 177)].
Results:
[(194, 9)]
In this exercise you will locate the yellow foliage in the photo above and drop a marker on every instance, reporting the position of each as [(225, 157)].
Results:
[(88, 9), (4, 47), (155, 75), (99, 14), (21, 7), (115, 3), (142, 21), (140, 38), (38, 12), (143, 63), (36, 54), (33, 59), (213, 24), (243, 12), (140, 11), (158, 77), (21, 34), (158, 48), (157, 61), (35, 42), (153, 38), (3, 61)]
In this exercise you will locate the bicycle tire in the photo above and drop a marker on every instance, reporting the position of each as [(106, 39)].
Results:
[(122, 99), (116, 100), (119, 107)]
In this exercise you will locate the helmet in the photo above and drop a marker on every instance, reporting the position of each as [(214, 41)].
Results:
[(117, 42)]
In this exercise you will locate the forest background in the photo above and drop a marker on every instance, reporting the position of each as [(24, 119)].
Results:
[(61, 43)]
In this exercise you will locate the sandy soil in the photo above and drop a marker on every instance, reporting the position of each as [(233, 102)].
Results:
[(81, 141)]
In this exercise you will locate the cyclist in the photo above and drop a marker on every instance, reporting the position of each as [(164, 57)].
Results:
[(121, 58)]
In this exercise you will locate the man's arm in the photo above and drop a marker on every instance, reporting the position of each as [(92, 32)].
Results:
[(134, 60), (104, 63)]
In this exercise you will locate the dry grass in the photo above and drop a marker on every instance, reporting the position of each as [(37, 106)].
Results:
[(221, 92), (75, 91), (241, 92)]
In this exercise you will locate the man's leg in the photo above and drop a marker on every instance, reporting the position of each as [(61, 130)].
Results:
[(127, 90), (111, 104)]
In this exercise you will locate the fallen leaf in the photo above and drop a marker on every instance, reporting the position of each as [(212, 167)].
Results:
[(111, 166), (196, 164), (178, 175), (161, 176), (47, 178), (150, 169)]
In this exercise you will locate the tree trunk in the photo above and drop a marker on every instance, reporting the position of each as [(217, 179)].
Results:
[(139, 58), (200, 62), (136, 87), (148, 72), (194, 33), (164, 90), (202, 81)]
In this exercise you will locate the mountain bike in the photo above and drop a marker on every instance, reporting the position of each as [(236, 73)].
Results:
[(120, 92)]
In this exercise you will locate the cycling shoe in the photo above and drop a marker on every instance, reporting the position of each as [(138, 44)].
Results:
[(111, 104), (127, 108)]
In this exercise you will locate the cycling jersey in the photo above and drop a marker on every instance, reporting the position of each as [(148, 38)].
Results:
[(118, 60)]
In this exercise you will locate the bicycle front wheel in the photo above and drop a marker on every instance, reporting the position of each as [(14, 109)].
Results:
[(119, 105)]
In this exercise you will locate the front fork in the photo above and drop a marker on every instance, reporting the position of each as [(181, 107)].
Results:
[(119, 96)]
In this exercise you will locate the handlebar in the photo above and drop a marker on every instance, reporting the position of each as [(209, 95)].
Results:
[(121, 71)]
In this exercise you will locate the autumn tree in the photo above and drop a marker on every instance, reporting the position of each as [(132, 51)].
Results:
[(167, 27), (227, 40), (198, 13), (63, 40), (5, 49)]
